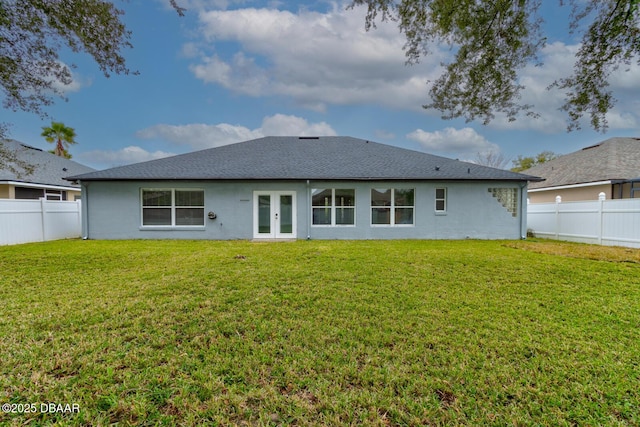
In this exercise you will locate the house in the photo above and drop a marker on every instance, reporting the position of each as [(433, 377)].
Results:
[(611, 167), (43, 176), (304, 187)]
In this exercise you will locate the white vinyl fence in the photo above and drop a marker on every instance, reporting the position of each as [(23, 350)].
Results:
[(603, 222), (23, 221)]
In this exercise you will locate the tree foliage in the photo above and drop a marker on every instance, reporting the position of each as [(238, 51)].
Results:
[(34, 32), (494, 40), (493, 159), (63, 136), (524, 163)]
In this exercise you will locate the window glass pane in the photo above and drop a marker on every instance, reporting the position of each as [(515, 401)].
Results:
[(29, 193), (345, 216), (403, 197), (440, 206), (189, 216), (404, 216), (380, 216), (156, 198), (160, 216), (321, 197), (322, 216), (345, 197), (380, 197), (189, 198), (440, 193)]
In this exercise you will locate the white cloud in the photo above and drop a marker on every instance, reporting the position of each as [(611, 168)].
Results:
[(315, 58), (558, 60), (127, 155), (200, 136), (464, 142)]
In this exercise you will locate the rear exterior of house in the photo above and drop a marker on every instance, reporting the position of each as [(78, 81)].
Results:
[(311, 188)]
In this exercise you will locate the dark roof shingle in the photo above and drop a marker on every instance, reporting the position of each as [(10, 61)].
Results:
[(48, 169), (289, 158), (613, 159)]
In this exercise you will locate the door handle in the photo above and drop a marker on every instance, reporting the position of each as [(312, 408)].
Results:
[(276, 216)]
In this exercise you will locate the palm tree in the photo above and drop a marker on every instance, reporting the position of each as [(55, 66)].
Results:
[(62, 135)]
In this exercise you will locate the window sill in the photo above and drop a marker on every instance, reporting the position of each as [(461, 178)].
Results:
[(333, 226), (173, 228), (392, 225), (440, 213)]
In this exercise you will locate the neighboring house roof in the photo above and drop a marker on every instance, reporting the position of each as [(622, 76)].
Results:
[(616, 159), (288, 158), (48, 169)]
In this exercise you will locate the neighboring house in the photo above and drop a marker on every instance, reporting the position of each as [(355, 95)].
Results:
[(304, 187), (611, 167), (44, 177)]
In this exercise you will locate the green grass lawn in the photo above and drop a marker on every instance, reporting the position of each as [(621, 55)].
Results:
[(320, 333)]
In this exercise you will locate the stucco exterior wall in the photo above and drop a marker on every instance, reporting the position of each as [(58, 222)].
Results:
[(112, 210), (6, 191), (570, 194)]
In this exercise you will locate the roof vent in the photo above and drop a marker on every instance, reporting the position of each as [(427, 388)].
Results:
[(308, 137)]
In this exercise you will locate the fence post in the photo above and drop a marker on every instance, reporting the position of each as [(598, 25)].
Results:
[(558, 201), (601, 199), (43, 214)]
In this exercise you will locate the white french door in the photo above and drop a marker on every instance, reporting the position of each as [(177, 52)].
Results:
[(274, 215)]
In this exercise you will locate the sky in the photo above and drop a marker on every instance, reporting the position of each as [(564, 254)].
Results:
[(235, 70)]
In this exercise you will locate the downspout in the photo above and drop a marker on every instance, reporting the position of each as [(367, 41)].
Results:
[(308, 211), (523, 210), (85, 210)]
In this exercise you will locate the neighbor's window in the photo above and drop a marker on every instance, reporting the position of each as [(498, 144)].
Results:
[(392, 206), (441, 199), (333, 206), (172, 207)]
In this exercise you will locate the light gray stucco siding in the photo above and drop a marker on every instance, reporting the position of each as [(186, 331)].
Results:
[(113, 210)]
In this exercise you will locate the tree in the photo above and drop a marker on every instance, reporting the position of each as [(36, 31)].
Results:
[(524, 163), (33, 32), (493, 159), (494, 40), (62, 135)]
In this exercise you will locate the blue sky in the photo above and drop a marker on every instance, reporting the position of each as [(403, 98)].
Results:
[(230, 71)]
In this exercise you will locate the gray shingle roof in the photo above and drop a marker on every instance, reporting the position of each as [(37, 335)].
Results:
[(48, 169), (289, 158), (613, 159)]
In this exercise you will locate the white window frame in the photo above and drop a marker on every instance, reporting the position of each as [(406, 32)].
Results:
[(173, 208), (443, 199), (333, 208), (392, 207)]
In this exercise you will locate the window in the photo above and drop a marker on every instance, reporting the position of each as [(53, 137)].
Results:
[(172, 207), (392, 206), (333, 206), (508, 198), (441, 199)]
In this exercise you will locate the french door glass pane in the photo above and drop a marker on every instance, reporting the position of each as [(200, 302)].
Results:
[(264, 213), (286, 213)]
